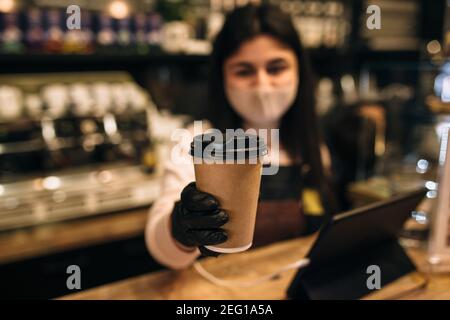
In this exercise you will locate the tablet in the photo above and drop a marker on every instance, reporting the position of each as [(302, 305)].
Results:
[(361, 228), (351, 241)]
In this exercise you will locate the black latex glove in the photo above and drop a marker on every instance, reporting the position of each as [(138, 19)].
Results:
[(196, 220)]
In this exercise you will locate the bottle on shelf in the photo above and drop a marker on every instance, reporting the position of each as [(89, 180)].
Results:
[(125, 39), (87, 33), (140, 33), (216, 18), (54, 35), (106, 36), (155, 24), (80, 40), (35, 35), (11, 38)]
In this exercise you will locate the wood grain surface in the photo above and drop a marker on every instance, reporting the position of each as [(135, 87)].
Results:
[(57, 237), (188, 284)]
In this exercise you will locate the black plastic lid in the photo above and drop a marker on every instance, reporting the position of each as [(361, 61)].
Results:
[(236, 146)]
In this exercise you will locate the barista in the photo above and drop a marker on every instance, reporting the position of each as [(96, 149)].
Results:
[(260, 79)]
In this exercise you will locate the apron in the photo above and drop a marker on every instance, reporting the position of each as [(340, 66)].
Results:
[(280, 215)]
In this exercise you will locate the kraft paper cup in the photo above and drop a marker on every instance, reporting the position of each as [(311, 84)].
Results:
[(229, 168)]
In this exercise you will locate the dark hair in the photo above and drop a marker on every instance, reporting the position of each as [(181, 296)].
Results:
[(299, 128)]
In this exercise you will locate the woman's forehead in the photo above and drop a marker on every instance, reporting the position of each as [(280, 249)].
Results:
[(261, 50)]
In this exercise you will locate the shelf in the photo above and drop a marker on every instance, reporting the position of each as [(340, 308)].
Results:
[(6, 59), (321, 58)]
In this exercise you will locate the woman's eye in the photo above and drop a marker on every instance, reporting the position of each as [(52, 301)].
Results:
[(244, 73), (276, 69)]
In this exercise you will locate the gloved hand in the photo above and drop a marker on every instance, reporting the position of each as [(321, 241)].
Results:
[(196, 220)]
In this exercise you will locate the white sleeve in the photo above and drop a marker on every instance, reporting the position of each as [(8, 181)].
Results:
[(158, 237)]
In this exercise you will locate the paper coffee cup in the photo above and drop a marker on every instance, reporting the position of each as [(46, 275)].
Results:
[(229, 168)]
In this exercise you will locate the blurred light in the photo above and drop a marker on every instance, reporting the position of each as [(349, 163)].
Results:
[(443, 131), (435, 259), (118, 9), (431, 194), (48, 129), (7, 5), (347, 82), (110, 124), (2, 190), (433, 47), (419, 216), (439, 80), (438, 84), (51, 183), (445, 93), (422, 166), (431, 185)]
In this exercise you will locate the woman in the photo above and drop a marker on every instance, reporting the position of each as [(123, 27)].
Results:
[(260, 79)]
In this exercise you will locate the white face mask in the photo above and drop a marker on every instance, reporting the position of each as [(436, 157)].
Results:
[(262, 105)]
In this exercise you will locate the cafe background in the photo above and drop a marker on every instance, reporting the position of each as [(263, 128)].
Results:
[(86, 116)]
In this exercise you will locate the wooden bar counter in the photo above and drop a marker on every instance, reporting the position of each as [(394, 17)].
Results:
[(26, 243), (188, 284)]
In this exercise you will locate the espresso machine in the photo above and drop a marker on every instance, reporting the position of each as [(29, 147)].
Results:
[(73, 145)]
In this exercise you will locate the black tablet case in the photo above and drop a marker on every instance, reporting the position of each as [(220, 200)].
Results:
[(338, 271), (346, 277)]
